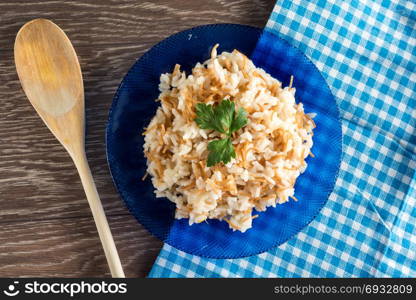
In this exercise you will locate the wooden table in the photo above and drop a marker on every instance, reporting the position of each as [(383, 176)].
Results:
[(46, 228)]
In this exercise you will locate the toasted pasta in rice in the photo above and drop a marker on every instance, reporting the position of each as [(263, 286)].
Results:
[(270, 150)]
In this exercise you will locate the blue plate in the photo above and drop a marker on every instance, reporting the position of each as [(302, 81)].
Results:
[(134, 106)]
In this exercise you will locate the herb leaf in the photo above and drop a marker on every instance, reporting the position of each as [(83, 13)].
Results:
[(239, 121), (207, 118), (224, 112), (220, 151), (224, 119)]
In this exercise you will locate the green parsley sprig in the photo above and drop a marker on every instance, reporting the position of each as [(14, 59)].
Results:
[(224, 119)]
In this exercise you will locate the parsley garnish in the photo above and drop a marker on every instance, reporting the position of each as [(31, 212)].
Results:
[(224, 119)]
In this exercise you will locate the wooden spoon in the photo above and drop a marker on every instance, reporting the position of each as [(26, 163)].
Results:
[(51, 77)]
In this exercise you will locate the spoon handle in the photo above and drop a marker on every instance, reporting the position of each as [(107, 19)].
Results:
[(100, 219)]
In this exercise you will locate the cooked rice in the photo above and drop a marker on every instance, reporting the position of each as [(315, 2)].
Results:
[(270, 150)]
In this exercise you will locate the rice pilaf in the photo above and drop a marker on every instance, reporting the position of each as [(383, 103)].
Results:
[(270, 150)]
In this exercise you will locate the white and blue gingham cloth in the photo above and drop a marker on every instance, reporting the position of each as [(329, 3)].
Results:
[(366, 51)]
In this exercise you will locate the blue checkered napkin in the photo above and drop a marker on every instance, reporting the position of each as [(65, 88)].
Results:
[(366, 51)]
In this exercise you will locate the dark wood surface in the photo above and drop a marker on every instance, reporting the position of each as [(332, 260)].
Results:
[(46, 228)]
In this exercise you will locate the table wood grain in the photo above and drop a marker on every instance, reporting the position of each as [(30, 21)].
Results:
[(46, 228)]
